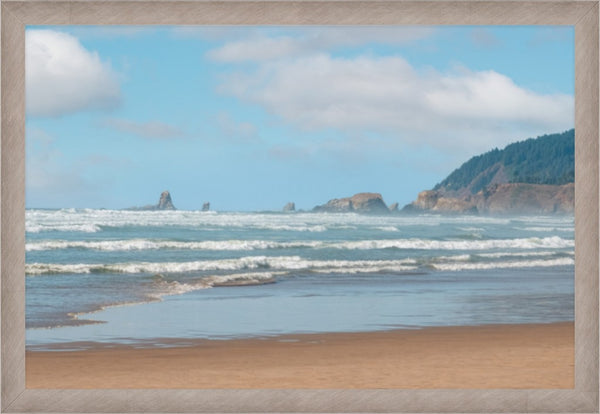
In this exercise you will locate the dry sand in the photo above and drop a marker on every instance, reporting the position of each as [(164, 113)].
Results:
[(501, 356)]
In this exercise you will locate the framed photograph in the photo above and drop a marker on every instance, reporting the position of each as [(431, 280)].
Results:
[(326, 206)]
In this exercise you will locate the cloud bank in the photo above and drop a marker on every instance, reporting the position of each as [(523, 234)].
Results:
[(452, 111)]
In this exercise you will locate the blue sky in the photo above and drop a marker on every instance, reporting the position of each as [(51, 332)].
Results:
[(250, 118)]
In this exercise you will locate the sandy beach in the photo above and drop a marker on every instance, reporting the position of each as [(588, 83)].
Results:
[(496, 356)]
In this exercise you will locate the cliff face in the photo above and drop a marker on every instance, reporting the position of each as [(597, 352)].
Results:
[(508, 198), (370, 203), (527, 198)]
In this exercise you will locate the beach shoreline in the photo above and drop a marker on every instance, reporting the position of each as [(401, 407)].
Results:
[(489, 356)]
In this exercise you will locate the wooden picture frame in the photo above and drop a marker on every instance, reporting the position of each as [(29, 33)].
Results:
[(17, 14)]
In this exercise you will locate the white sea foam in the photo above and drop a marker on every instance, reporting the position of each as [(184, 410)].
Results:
[(424, 244), (565, 261), (165, 288), (387, 228), (149, 244), (285, 263), (243, 263), (521, 254), (471, 228), (82, 228), (241, 245), (546, 229), (495, 255), (88, 220)]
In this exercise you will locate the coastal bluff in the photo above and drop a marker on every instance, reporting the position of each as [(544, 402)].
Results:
[(368, 203), (164, 203), (508, 198), (535, 176)]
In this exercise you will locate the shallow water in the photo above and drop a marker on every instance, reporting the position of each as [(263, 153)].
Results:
[(287, 273)]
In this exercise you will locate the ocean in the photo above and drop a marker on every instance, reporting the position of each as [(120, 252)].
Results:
[(158, 278)]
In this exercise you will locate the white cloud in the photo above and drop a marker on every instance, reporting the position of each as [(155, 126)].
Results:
[(257, 46), (450, 111), (151, 129), (63, 77)]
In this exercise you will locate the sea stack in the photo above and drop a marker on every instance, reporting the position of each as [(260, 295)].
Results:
[(165, 202), (369, 203), (289, 207), (206, 206)]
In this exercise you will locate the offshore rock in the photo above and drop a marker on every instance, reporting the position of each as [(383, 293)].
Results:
[(206, 206), (394, 207), (164, 203), (369, 203), (289, 207)]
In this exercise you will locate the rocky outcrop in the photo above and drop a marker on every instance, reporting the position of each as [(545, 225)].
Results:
[(289, 207), (206, 206), (426, 200), (527, 199), (394, 207), (369, 203), (454, 205), (508, 198), (164, 203)]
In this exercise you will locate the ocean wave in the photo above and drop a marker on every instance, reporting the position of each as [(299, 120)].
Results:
[(149, 244), (387, 228), (87, 220), (521, 254), (245, 245), (243, 263), (546, 229), (81, 228), (296, 263), (425, 244), (479, 257), (165, 288), (471, 229), (565, 261)]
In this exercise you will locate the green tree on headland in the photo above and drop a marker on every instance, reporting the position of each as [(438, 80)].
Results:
[(549, 159)]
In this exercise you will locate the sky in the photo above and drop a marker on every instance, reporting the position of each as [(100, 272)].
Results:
[(250, 118)]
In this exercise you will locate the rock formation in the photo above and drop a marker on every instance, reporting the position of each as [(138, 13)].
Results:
[(289, 207), (164, 203), (508, 198), (394, 207), (371, 203), (206, 206), (534, 176), (527, 198)]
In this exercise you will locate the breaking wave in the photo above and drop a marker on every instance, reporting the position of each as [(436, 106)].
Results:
[(565, 261), (244, 263), (241, 245)]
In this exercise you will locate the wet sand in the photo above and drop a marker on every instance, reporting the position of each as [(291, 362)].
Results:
[(496, 356)]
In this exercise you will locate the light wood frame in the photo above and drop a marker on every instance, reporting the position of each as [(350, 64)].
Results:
[(16, 14)]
